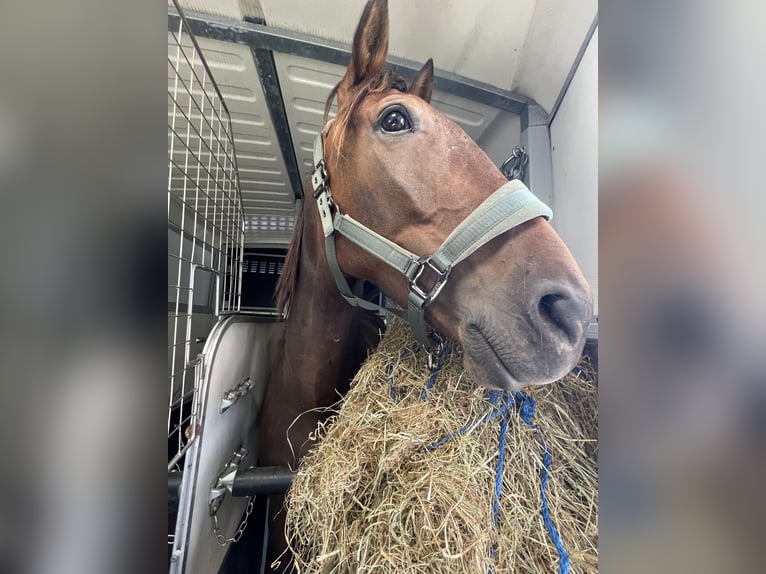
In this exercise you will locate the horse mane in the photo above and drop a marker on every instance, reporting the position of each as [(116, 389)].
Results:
[(380, 82), (289, 277)]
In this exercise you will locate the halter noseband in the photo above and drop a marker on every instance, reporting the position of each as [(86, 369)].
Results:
[(508, 206)]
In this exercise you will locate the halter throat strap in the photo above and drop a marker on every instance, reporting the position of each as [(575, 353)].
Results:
[(510, 205)]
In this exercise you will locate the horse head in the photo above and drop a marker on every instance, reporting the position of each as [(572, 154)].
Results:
[(518, 305)]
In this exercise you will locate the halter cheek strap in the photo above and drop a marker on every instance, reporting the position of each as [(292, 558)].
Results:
[(510, 205)]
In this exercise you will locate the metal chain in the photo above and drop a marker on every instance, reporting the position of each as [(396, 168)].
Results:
[(516, 164), (222, 540)]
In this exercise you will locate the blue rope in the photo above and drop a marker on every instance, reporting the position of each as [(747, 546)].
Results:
[(525, 405), (494, 396), (501, 456), (527, 412)]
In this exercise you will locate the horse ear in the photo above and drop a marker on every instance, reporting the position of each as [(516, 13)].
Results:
[(423, 84), (368, 53)]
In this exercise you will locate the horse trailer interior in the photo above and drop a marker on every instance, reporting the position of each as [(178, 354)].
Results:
[(247, 85)]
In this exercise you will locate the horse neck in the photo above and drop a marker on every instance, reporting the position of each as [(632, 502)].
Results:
[(323, 346)]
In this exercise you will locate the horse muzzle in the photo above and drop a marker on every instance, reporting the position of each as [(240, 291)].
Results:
[(532, 346)]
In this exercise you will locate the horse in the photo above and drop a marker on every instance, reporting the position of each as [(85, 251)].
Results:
[(518, 305)]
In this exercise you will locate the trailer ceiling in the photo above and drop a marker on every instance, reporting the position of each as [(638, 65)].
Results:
[(522, 46)]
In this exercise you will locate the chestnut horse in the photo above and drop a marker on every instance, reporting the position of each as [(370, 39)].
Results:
[(518, 305)]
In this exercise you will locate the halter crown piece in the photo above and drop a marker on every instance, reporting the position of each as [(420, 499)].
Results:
[(508, 206)]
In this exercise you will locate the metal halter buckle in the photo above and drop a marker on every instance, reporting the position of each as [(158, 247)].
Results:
[(319, 178), (414, 273)]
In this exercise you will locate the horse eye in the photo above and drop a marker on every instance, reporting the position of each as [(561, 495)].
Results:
[(395, 121)]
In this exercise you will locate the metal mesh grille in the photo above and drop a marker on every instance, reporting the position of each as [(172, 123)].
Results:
[(205, 224)]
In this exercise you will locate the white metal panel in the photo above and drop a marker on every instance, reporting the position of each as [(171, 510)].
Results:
[(574, 144), (481, 39), (239, 347), (306, 84), (235, 9), (228, 8), (556, 32)]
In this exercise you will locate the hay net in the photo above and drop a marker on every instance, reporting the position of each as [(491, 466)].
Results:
[(405, 477)]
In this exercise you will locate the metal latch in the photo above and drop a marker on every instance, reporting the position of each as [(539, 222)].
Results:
[(231, 396), (225, 481)]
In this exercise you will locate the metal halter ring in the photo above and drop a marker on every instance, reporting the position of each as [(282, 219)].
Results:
[(414, 273)]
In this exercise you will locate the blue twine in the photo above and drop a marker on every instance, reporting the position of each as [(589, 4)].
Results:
[(470, 426), (581, 373)]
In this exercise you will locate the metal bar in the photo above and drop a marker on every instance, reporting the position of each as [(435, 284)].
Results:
[(255, 311), (240, 220), (264, 64), (177, 403), (174, 485), (241, 247), (171, 152), (181, 452), (256, 481), (536, 140), (573, 69), (262, 480), (217, 274), (263, 37), (176, 326)]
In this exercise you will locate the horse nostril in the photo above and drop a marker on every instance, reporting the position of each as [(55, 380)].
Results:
[(568, 314)]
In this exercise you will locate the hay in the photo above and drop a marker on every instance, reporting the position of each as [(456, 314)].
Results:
[(370, 497)]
